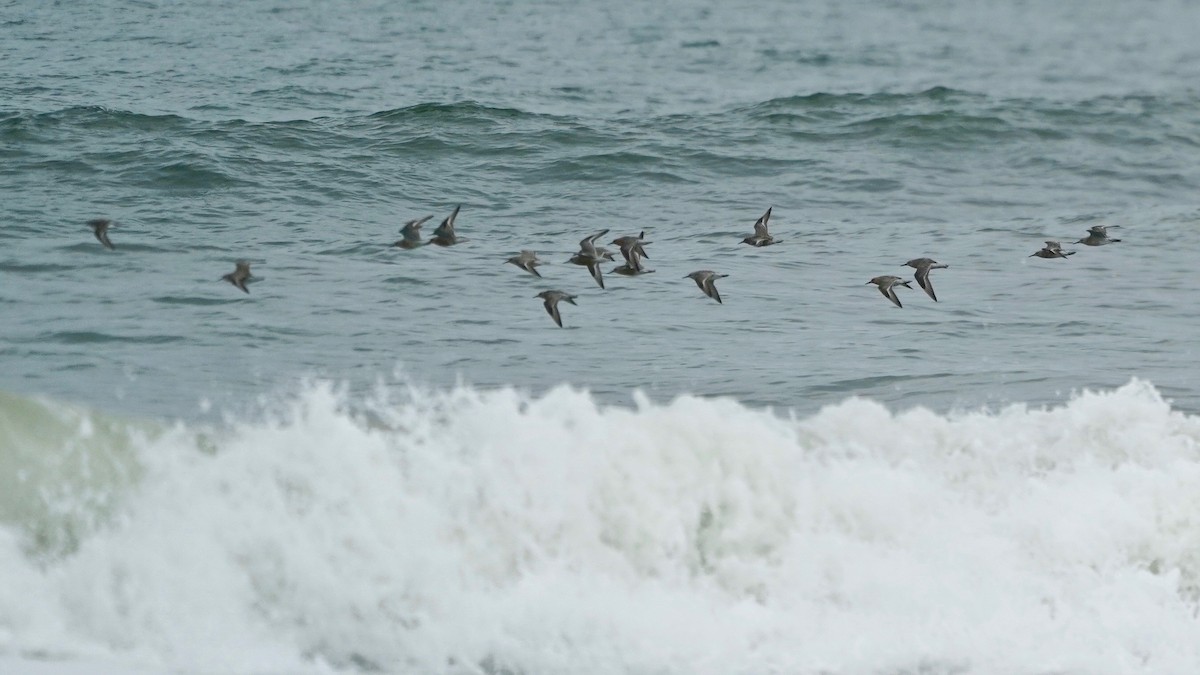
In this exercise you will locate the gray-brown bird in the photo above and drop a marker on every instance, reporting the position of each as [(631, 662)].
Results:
[(1052, 249), (445, 235), (631, 270), (551, 300), (887, 284), (411, 233), (528, 261), (591, 257), (631, 247), (761, 237), (706, 280), (1098, 236), (923, 265), (239, 275), (100, 229)]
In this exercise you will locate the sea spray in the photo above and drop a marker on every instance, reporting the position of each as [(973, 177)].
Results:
[(475, 531), (61, 469)]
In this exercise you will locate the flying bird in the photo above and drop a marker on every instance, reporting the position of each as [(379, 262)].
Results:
[(528, 261), (631, 270), (551, 300), (887, 284), (1098, 236), (923, 265), (591, 257), (411, 233), (761, 237), (631, 247), (706, 280), (445, 235), (1052, 249), (239, 275), (100, 229)]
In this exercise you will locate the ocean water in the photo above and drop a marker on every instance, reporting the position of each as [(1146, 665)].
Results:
[(392, 460)]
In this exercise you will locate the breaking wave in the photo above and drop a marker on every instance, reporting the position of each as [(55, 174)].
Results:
[(467, 531)]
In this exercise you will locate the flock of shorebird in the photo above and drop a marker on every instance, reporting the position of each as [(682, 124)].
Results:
[(631, 248), (1097, 236)]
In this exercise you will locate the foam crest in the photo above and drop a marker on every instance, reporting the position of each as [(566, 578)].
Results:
[(469, 531)]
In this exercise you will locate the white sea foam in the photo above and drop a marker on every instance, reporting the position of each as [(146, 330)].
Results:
[(470, 532)]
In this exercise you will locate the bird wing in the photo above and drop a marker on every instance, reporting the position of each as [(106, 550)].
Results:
[(446, 229), (760, 225), (552, 309), (710, 288), (597, 274), (588, 244), (923, 281)]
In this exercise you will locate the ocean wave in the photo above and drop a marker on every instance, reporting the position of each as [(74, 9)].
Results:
[(947, 118), (93, 117), (460, 111), (469, 531), (823, 100)]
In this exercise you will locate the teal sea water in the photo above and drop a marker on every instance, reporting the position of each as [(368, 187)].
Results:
[(303, 137), (395, 461)]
